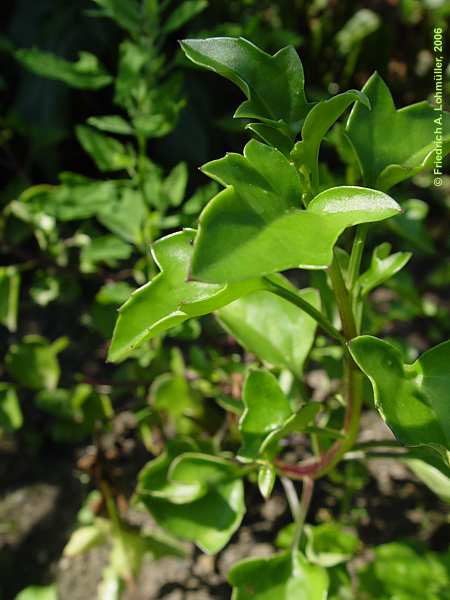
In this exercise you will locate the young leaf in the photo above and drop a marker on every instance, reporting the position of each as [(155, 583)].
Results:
[(273, 85), (107, 249), (33, 363), (288, 332), (212, 513), (286, 575), (319, 120), (112, 124), (126, 13), (255, 227), (412, 399), (169, 299), (86, 73), (109, 154), (85, 538), (182, 14), (382, 267), (174, 185), (9, 296), (329, 544), (266, 409), (391, 144), (296, 422), (125, 215), (266, 479)]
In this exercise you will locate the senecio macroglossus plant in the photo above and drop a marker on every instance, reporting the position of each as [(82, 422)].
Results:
[(276, 212)]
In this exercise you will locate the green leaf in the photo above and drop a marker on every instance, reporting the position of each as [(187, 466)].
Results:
[(431, 471), (9, 296), (383, 266), (296, 422), (288, 332), (285, 576), (182, 14), (329, 544), (86, 73), (169, 299), (107, 249), (36, 592), (273, 85), (172, 395), (411, 225), (210, 514), (266, 409), (85, 538), (33, 362), (10, 413), (255, 227), (412, 399), (75, 199), (399, 571), (126, 13), (391, 144), (125, 215), (266, 479), (319, 120), (112, 124), (108, 153), (174, 185)]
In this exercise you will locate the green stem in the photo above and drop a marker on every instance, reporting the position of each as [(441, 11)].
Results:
[(294, 298), (343, 300), (298, 508), (356, 255)]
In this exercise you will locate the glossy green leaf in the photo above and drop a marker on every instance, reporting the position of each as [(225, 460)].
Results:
[(266, 409), (288, 332), (211, 509), (413, 399), (266, 479), (86, 73), (11, 417), (255, 227), (383, 266), (391, 144), (9, 297), (112, 124), (38, 592), (169, 299), (182, 14), (284, 576), (319, 120), (108, 153), (34, 363), (273, 85)]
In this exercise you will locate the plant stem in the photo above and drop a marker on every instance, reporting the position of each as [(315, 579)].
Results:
[(294, 298), (343, 300), (356, 255)]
